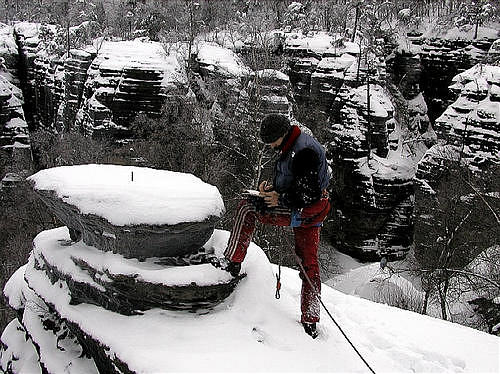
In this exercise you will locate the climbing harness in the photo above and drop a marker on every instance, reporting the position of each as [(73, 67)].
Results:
[(303, 271)]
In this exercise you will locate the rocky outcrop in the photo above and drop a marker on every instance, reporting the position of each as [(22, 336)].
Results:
[(320, 66), (72, 78), (127, 237), (372, 182), (27, 39), (119, 85), (271, 93), (97, 90), (405, 71), (147, 267), (14, 135), (472, 121), (441, 59), (13, 126)]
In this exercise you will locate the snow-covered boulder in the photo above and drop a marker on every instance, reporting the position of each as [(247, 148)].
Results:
[(137, 212)]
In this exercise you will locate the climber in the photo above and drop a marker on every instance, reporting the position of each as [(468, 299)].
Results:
[(297, 198)]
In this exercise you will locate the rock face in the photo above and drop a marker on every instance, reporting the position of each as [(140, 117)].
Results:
[(27, 39), (372, 190), (271, 88), (473, 119), (442, 59), (119, 85), (320, 66), (97, 90), (124, 269), (458, 178), (14, 135)]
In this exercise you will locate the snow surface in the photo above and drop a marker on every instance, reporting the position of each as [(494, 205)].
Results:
[(380, 103), (63, 256), (7, 43), (252, 331), (397, 285), (153, 197), (318, 42), (478, 75), (222, 59), (13, 337), (138, 55), (271, 73)]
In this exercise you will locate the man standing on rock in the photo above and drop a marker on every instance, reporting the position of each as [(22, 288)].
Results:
[(297, 198)]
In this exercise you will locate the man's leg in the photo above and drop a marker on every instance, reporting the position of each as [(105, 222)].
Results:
[(244, 227), (306, 247)]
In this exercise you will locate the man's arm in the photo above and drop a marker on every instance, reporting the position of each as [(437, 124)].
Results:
[(305, 188)]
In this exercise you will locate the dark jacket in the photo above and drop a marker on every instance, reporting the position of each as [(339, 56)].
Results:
[(301, 172)]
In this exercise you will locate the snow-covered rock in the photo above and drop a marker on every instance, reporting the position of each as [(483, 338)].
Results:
[(473, 119), (441, 59), (138, 212), (215, 60), (250, 331), (126, 285), (319, 65), (126, 78), (8, 53), (272, 92), (14, 135), (372, 198)]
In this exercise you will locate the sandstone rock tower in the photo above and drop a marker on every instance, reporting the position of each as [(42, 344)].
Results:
[(136, 239)]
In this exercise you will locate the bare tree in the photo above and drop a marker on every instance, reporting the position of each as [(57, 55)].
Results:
[(454, 223)]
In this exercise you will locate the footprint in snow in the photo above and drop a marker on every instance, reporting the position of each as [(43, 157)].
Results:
[(265, 338)]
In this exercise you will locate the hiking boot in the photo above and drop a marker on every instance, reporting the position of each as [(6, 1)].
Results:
[(233, 268), (310, 329)]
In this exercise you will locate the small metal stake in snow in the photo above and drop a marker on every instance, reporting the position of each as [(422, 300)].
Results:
[(132, 176)]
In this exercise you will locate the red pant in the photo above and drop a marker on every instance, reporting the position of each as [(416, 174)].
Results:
[(307, 226)]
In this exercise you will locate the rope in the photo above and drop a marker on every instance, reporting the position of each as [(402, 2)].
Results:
[(299, 263), (278, 282), (278, 277)]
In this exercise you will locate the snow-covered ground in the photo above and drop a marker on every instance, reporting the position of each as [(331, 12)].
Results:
[(252, 331)]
